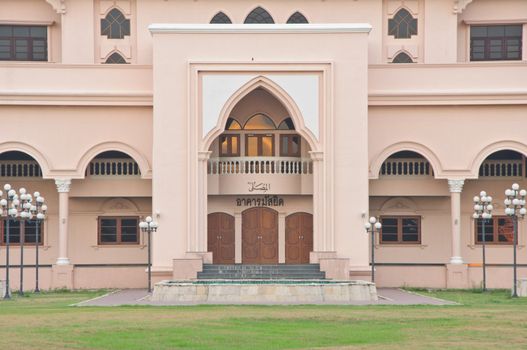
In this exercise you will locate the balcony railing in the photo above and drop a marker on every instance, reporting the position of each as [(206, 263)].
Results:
[(502, 168), (20, 168), (259, 165), (406, 167), (113, 167)]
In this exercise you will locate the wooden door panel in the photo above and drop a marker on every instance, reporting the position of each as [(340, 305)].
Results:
[(298, 238), (220, 238), (260, 236)]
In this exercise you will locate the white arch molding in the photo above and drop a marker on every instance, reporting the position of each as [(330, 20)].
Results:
[(299, 93), (42, 160), (376, 163), (493, 148)]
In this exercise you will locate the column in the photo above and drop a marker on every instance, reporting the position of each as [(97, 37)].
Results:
[(202, 201), (455, 187), (281, 238), (63, 187), (237, 238), (319, 233)]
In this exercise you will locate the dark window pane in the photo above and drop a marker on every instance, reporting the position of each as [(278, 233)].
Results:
[(220, 18), (476, 31), (20, 31), (496, 31), (513, 30), (402, 58), (115, 25), (297, 17), (6, 31), (390, 221), (389, 237), (259, 15), (402, 25), (39, 32)]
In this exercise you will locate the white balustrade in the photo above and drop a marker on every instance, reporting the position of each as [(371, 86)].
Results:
[(113, 167), (502, 168), (20, 168), (406, 167), (259, 165)]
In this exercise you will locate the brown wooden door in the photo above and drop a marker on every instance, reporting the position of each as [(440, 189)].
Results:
[(220, 238), (260, 236), (298, 238)]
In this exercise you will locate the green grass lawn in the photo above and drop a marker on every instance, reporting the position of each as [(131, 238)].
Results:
[(483, 321)]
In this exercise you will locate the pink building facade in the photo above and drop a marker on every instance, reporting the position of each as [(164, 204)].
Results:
[(264, 133)]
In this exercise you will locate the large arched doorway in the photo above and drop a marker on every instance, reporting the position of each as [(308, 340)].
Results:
[(260, 236), (298, 238), (220, 238)]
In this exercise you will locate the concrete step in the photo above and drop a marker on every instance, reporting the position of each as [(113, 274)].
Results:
[(281, 271)]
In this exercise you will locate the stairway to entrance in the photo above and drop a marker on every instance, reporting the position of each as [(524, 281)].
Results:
[(281, 271)]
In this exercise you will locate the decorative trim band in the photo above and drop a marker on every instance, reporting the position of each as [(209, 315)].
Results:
[(327, 28)]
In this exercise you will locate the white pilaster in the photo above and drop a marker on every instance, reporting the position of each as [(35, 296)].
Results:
[(281, 238), (202, 201), (319, 239), (455, 187), (237, 238), (63, 188)]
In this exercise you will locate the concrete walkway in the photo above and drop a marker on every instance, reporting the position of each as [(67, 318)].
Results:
[(387, 296)]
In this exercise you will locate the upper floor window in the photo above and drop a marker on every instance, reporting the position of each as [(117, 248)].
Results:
[(297, 17), (259, 122), (403, 25), (118, 230), (400, 229), (498, 230), (23, 43), (290, 145), (495, 43), (230, 145), (115, 58), (115, 25), (402, 58), (220, 18), (259, 15)]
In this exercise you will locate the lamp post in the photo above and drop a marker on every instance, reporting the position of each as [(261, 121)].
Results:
[(38, 211), (149, 226), (9, 211), (483, 210), (371, 227), (24, 203), (515, 208)]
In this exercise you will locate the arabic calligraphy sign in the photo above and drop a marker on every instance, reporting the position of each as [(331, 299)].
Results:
[(261, 187)]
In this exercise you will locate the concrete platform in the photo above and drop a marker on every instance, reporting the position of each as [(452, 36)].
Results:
[(266, 291), (386, 296)]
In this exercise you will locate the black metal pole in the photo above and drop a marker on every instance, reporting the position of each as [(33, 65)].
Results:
[(22, 238), (484, 262), (372, 254), (7, 288), (36, 255), (515, 243), (149, 265)]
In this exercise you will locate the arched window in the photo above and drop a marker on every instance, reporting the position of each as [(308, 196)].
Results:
[(259, 122), (403, 25), (232, 124), (402, 58), (115, 25), (115, 58), (297, 17), (220, 18), (286, 124), (259, 15)]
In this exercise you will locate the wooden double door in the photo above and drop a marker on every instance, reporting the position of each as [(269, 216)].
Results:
[(298, 238), (260, 236), (221, 238)]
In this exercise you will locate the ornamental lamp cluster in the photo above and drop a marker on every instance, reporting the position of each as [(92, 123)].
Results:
[(483, 206), (373, 222), (149, 225), (515, 201), (23, 205)]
